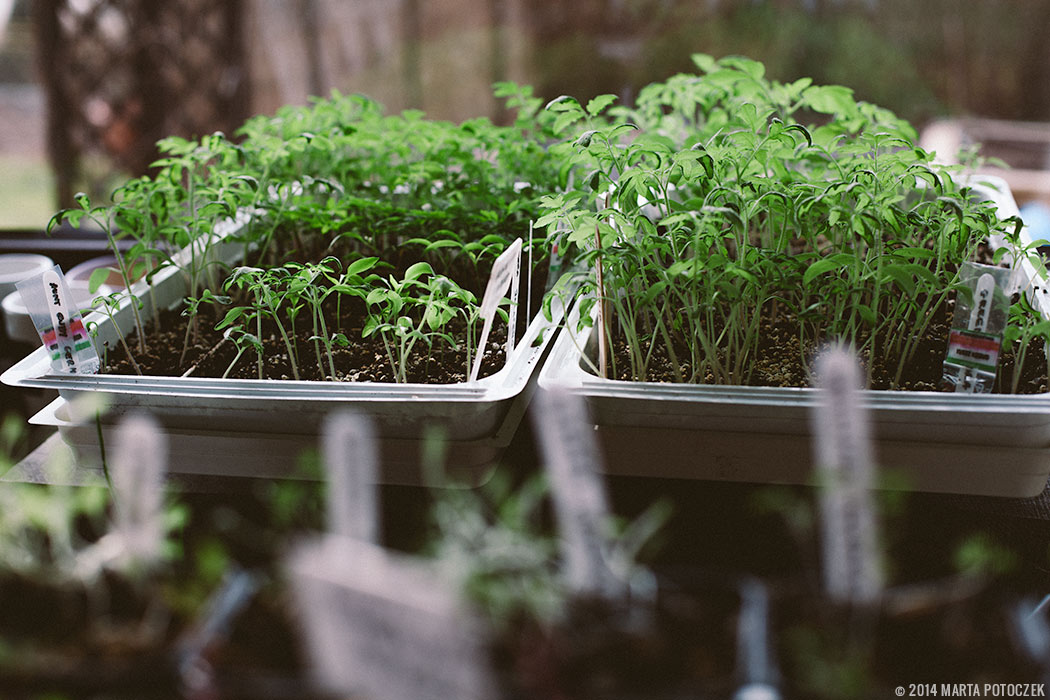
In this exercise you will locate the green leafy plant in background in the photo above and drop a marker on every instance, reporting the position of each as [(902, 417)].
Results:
[(831, 654), (498, 542), (55, 532), (493, 540)]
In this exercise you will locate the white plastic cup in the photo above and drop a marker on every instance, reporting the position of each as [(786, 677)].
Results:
[(15, 267)]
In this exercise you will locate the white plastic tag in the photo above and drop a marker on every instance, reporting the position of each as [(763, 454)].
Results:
[(387, 626), (139, 466), (972, 358), (352, 465), (57, 319), (570, 453), (504, 278), (852, 567)]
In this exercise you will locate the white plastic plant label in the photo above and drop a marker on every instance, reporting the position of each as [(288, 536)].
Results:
[(504, 278), (387, 626), (135, 541), (570, 452), (352, 466), (140, 459), (842, 445), (972, 359), (755, 654), (58, 321)]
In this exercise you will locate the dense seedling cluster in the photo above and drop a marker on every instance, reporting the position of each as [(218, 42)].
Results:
[(344, 213), (728, 225), (725, 212)]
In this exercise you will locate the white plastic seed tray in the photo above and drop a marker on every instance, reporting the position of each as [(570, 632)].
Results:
[(277, 455), (994, 445), (257, 415)]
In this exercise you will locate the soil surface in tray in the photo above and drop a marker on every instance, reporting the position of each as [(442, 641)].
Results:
[(362, 360), (781, 362)]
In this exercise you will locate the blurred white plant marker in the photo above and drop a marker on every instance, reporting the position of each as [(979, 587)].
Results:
[(842, 447), (376, 622), (756, 662), (139, 465), (352, 466), (570, 452), (137, 471)]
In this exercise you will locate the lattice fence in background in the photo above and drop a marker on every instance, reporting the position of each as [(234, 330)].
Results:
[(121, 74)]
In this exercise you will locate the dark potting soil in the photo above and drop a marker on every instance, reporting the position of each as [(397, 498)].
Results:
[(363, 359), (781, 362)]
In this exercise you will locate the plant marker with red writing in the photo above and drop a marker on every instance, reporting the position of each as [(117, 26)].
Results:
[(972, 358), (57, 319)]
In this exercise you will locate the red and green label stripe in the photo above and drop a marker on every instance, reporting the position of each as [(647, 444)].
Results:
[(80, 338), (973, 349)]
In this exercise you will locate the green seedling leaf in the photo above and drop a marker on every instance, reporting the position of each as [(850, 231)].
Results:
[(599, 103), (824, 265), (743, 274), (434, 245), (901, 277), (1011, 334), (566, 119), (802, 130), (1040, 329), (866, 314), (924, 273), (584, 139), (418, 270), (1018, 223), (926, 173), (378, 296), (620, 128), (703, 62), (372, 324), (913, 253), (231, 317), (562, 103), (361, 265), (594, 182), (652, 293), (953, 203), (748, 113), (749, 66), (98, 277), (829, 99)]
